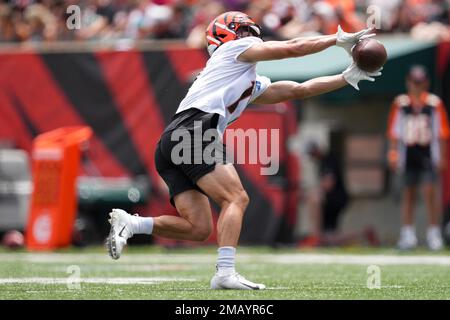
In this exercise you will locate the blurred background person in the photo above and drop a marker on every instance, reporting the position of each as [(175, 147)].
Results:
[(428, 19), (204, 12), (418, 131), (262, 13), (327, 202), (97, 19), (7, 30), (41, 23)]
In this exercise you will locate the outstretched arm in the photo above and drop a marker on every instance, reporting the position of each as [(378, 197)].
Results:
[(289, 90), (298, 47), (275, 50)]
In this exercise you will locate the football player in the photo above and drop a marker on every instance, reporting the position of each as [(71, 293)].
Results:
[(218, 96), (418, 131)]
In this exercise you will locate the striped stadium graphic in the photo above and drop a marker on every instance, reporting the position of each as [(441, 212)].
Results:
[(127, 98)]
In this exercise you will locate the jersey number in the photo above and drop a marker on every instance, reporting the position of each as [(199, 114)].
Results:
[(417, 130), (244, 95)]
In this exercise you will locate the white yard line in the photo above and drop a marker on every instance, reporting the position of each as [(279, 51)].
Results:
[(44, 280), (187, 259), (356, 259), (94, 258), (97, 267)]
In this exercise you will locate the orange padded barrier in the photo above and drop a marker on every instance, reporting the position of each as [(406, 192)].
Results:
[(56, 159)]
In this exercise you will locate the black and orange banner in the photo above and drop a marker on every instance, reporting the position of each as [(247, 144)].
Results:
[(127, 98)]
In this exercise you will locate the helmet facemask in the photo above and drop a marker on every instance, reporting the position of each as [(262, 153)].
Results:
[(248, 30)]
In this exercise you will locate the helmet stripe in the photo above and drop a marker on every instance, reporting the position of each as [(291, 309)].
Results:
[(214, 31), (213, 40), (223, 27)]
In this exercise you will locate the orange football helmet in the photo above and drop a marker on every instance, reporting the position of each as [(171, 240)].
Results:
[(225, 28)]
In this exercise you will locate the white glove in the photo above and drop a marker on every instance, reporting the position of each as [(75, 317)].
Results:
[(348, 40), (353, 75)]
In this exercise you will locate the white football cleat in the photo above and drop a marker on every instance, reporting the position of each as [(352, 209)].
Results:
[(234, 281), (408, 240), (119, 233), (434, 239)]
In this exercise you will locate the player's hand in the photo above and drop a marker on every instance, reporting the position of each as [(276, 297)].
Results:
[(348, 40), (353, 75), (392, 159)]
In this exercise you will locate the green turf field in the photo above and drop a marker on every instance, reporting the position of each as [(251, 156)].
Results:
[(157, 273)]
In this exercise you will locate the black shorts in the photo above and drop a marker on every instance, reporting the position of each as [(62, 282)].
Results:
[(419, 167), (419, 176), (188, 149)]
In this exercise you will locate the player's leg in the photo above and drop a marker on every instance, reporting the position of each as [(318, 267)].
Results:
[(225, 188), (430, 193), (314, 205), (194, 223), (408, 203), (330, 214), (408, 239)]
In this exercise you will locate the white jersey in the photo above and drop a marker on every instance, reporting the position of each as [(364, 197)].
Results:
[(226, 85)]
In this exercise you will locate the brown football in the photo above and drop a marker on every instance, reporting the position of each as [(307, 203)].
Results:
[(369, 54)]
